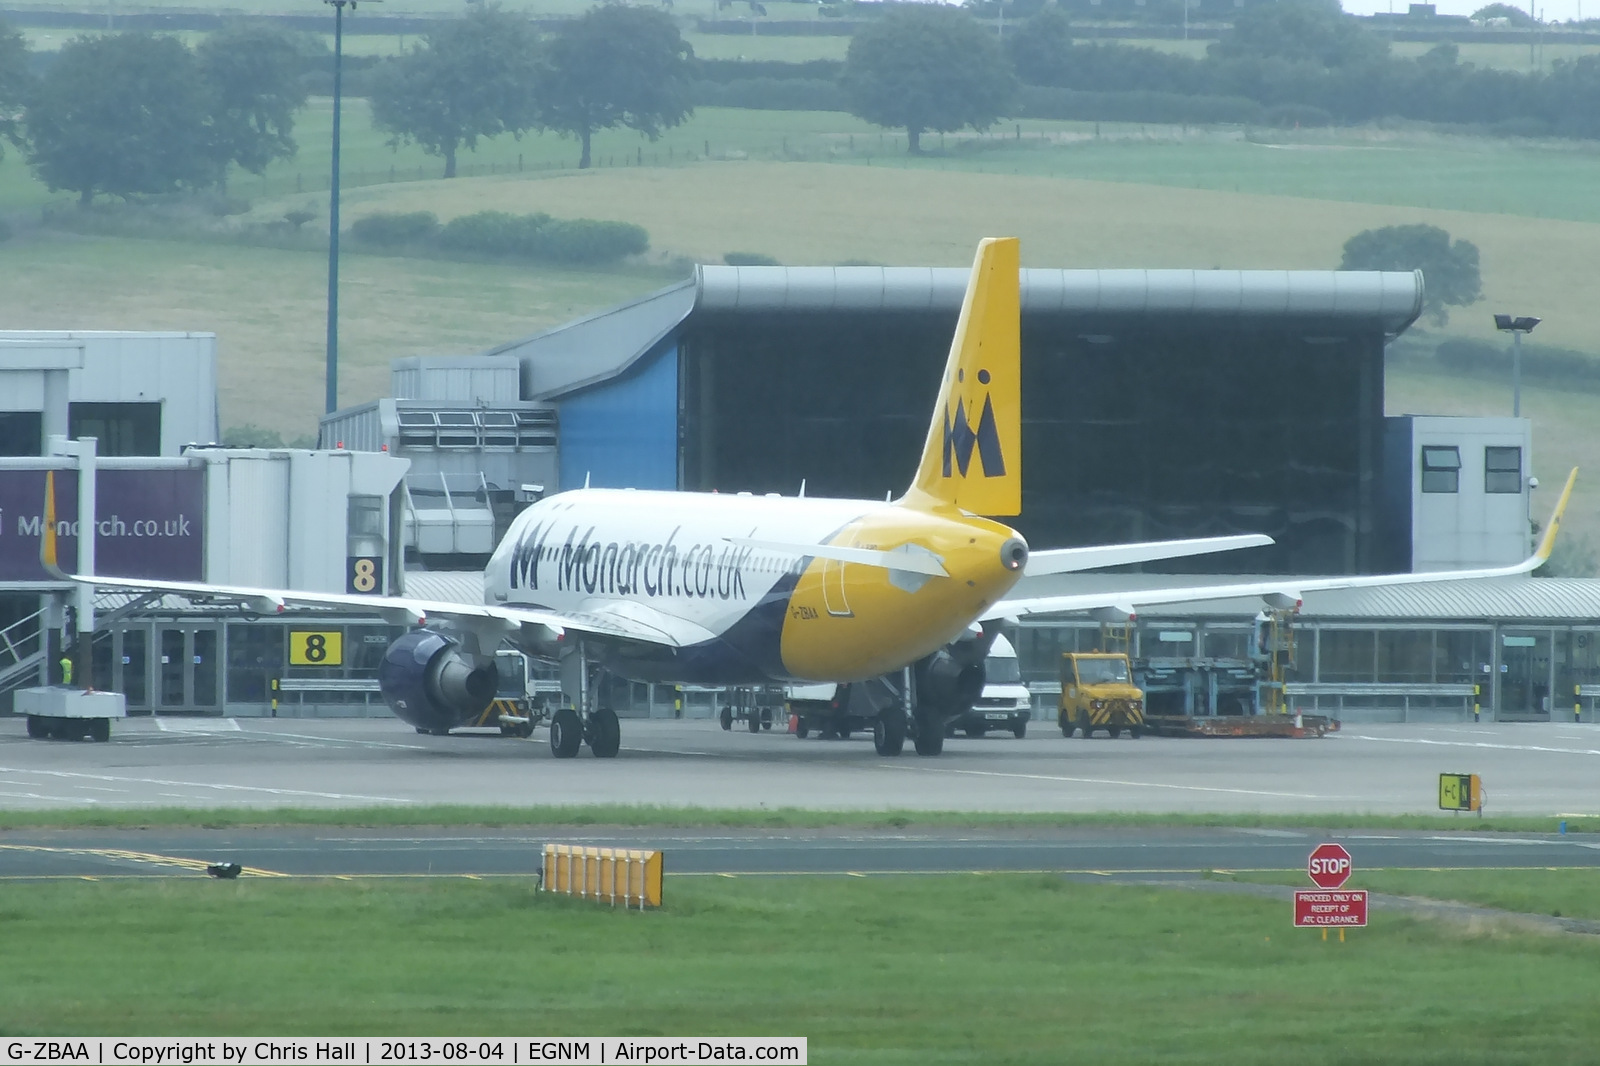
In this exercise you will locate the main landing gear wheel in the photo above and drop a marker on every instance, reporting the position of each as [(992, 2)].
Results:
[(755, 722), (930, 737), (726, 718), (889, 732), (566, 733), (604, 734)]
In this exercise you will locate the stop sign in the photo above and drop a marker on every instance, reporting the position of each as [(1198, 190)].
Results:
[(1329, 866)]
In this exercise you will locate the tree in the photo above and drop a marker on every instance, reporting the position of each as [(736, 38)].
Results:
[(1450, 270), (1040, 49), (616, 66), (926, 67), (15, 82), (1513, 16), (122, 114), (252, 81), (1315, 32), (474, 77)]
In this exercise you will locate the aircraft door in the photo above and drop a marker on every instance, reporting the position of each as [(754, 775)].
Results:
[(833, 588)]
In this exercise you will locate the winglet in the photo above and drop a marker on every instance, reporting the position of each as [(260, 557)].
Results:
[(1548, 541), (47, 538)]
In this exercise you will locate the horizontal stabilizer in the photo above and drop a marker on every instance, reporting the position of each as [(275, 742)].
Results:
[(907, 558), (1070, 560)]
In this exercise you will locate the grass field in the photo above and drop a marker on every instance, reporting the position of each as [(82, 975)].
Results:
[(1517, 58), (1411, 169), (818, 213), (1558, 893), (268, 309), (991, 969), (760, 818)]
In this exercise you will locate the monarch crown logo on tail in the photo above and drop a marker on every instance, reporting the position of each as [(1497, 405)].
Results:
[(960, 438), (982, 384)]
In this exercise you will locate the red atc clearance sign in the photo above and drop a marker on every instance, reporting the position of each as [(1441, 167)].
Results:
[(1315, 908), (1329, 866)]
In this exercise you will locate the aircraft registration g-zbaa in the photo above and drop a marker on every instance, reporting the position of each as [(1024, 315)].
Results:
[(723, 589)]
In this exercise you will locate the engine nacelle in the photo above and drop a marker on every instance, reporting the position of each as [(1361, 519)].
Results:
[(428, 683), (951, 680), (948, 682)]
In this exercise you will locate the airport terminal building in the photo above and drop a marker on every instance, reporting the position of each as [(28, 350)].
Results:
[(1157, 404)]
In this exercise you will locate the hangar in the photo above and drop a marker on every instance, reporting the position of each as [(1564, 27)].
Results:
[(1271, 380)]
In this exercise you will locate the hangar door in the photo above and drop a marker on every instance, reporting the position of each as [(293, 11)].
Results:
[(624, 435)]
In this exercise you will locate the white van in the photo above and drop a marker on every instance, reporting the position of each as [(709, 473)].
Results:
[(840, 710), (1006, 702)]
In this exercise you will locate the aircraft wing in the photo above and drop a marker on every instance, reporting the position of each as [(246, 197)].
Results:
[(1285, 592), (401, 610), (1068, 560), (644, 625)]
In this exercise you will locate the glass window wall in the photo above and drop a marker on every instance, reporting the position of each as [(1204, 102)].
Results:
[(255, 657), (1405, 656), (1347, 655)]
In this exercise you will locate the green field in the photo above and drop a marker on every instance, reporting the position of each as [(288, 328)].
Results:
[(1558, 893), (749, 818), (267, 307), (990, 969)]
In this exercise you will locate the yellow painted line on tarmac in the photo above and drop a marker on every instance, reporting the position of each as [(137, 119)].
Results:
[(735, 874), (135, 856)]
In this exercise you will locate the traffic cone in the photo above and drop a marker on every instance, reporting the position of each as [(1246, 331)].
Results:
[(794, 723)]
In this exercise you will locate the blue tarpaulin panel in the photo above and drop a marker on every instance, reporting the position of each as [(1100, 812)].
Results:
[(624, 433)]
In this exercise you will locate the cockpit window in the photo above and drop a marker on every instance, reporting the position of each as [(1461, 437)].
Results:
[(1102, 671)]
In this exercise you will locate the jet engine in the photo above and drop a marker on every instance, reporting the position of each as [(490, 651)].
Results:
[(428, 682)]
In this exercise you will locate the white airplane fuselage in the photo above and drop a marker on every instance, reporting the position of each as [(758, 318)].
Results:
[(747, 614)]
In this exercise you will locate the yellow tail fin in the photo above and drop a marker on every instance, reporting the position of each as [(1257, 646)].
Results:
[(973, 456)]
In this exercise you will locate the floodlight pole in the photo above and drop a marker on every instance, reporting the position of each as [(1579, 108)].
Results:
[(1516, 373), (1516, 327), (333, 205)]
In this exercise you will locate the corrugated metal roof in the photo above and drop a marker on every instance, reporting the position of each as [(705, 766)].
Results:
[(601, 346), (1393, 298)]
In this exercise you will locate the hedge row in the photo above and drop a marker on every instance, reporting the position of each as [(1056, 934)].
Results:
[(1038, 101), (1540, 362), (771, 94), (537, 237)]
